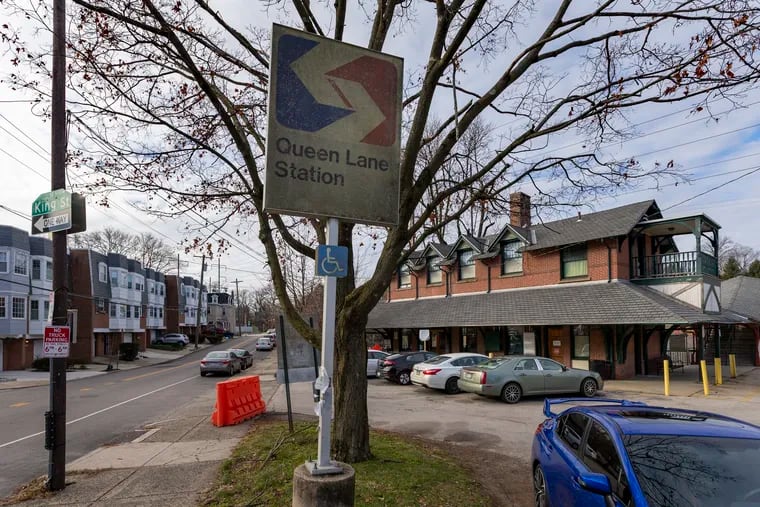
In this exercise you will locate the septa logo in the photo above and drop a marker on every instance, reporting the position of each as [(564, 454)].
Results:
[(314, 93)]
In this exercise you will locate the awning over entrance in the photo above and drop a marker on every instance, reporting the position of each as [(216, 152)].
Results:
[(616, 302)]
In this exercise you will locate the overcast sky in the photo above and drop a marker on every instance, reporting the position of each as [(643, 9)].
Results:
[(721, 157)]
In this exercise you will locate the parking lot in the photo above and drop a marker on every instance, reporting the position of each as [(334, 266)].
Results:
[(470, 420)]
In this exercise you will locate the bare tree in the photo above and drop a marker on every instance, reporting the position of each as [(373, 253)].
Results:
[(169, 99), (151, 251)]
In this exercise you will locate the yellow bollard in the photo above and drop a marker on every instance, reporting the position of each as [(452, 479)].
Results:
[(732, 365), (718, 372), (490, 355), (703, 368), (666, 375)]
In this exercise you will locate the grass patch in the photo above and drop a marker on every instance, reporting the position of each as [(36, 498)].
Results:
[(403, 471)]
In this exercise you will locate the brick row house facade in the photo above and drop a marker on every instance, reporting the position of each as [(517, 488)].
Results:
[(602, 291), (112, 300)]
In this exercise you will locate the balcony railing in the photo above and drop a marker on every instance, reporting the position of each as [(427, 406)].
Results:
[(674, 265)]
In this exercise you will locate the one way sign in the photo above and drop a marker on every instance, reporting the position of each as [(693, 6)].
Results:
[(334, 126)]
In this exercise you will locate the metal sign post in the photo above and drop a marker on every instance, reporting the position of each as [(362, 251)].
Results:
[(323, 384)]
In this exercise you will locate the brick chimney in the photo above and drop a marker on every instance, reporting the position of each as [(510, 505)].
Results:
[(519, 209)]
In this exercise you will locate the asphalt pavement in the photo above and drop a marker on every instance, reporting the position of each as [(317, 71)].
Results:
[(172, 461)]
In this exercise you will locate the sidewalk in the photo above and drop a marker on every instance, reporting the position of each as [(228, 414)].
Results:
[(14, 379)]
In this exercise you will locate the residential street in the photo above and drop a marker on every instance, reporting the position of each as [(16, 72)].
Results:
[(103, 409)]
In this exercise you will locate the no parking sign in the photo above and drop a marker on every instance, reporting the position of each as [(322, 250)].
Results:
[(55, 342)]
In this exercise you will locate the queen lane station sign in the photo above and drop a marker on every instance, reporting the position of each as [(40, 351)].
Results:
[(333, 142)]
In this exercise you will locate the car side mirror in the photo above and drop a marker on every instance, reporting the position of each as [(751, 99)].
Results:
[(564, 368), (595, 483)]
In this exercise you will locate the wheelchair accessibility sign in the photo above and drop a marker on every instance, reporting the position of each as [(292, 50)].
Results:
[(332, 260)]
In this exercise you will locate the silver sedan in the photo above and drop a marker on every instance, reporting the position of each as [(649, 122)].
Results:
[(221, 361), (512, 377)]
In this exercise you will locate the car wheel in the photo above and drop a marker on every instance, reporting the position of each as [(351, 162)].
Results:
[(451, 386), (511, 393), (230, 371), (203, 374), (539, 487), (404, 379), (588, 387)]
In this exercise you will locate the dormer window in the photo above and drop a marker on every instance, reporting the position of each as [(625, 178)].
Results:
[(466, 264), (404, 277), (511, 257), (434, 274)]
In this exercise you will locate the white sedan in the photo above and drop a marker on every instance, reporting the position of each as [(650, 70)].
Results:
[(442, 372)]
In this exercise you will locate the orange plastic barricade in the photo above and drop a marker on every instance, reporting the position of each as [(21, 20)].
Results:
[(237, 400)]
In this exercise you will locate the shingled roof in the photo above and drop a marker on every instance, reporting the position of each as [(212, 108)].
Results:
[(601, 224), (617, 302), (742, 295)]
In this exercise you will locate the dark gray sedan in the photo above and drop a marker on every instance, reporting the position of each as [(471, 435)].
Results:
[(512, 377), (245, 357), (221, 361)]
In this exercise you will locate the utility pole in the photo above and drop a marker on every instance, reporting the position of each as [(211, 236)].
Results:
[(237, 305), (200, 293), (55, 418), (219, 274)]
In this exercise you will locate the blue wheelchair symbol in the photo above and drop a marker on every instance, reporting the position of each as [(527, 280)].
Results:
[(332, 260)]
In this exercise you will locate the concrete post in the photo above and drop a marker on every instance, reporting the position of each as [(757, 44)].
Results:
[(334, 490)]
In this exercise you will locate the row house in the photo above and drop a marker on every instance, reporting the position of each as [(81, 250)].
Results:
[(26, 280), (112, 300), (602, 291), (186, 305)]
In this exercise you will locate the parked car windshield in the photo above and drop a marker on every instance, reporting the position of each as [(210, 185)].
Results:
[(217, 355), (696, 471), (438, 360)]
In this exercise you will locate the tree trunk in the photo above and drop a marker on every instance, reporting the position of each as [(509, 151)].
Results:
[(350, 442)]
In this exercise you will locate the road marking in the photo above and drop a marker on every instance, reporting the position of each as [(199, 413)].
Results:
[(86, 389), (156, 372), (100, 411), (144, 435), (20, 404)]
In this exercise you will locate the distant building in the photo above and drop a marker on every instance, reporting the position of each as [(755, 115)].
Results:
[(221, 311)]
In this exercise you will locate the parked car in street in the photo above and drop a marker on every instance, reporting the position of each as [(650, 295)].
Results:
[(173, 338), (374, 358), (625, 453), (442, 372), (264, 343), (398, 367), (245, 357), (221, 361), (512, 377)]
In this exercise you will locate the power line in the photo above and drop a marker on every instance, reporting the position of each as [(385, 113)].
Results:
[(712, 189), (16, 212)]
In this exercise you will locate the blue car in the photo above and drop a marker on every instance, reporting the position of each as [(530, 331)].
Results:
[(624, 453)]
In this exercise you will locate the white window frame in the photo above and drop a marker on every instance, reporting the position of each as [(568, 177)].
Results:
[(14, 299), (5, 253), (32, 303), (16, 264), (3, 308), (49, 270), (39, 269), (102, 272)]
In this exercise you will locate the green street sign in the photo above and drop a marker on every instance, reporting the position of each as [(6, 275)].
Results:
[(58, 210), (51, 202)]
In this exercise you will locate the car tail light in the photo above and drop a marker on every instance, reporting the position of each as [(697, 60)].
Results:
[(483, 377), (431, 371), (203, 362), (226, 361), (389, 363), (538, 429)]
